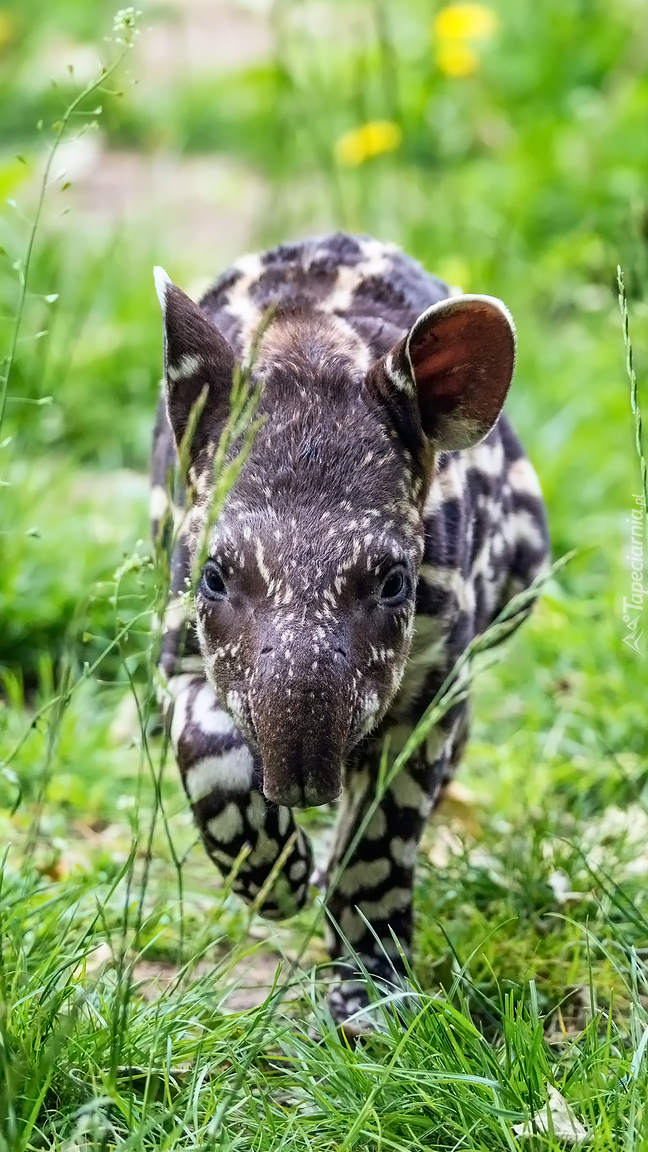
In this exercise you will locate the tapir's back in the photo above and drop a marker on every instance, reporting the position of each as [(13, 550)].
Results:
[(374, 286)]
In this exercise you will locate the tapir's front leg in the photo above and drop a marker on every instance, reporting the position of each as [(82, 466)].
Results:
[(222, 779), (371, 903)]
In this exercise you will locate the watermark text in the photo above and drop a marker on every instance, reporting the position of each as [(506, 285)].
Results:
[(634, 604)]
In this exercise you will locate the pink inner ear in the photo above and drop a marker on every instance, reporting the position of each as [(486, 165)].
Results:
[(442, 364), (463, 363)]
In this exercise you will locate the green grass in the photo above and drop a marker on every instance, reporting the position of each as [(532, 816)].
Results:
[(119, 947)]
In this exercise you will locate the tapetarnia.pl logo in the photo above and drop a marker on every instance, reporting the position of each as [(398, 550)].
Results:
[(633, 605)]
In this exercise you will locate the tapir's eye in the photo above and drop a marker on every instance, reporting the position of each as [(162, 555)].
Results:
[(395, 586), (212, 582)]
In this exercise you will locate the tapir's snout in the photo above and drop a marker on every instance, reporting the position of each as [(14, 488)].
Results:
[(302, 726), (302, 772)]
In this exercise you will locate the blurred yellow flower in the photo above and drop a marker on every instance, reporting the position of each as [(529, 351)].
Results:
[(457, 30), (7, 27), (370, 139), (466, 22), (457, 59)]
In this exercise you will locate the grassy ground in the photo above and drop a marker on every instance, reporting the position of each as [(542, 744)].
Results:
[(514, 163)]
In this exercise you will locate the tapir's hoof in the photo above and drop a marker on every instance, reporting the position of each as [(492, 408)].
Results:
[(352, 1010), (357, 1013)]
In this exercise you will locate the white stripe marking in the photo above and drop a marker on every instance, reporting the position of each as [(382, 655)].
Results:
[(227, 825), (231, 771), (186, 366), (208, 714)]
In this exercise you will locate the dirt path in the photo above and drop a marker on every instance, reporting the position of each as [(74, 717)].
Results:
[(196, 212)]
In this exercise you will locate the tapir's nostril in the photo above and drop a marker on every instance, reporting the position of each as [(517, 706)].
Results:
[(342, 652), (266, 651)]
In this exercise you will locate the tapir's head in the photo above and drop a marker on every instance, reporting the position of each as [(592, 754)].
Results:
[(305, 603)]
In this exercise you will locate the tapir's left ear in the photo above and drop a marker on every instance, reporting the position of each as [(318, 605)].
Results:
[(198, 362), (458, 361)]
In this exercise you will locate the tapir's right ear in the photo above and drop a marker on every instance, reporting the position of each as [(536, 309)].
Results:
[(196, 356), (455, 364)]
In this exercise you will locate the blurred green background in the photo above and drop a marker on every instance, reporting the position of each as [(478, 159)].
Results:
[(503, 145)]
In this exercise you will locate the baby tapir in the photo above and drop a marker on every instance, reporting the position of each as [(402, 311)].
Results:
[(384, 517)]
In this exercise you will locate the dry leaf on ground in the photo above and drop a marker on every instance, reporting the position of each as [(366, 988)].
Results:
[(556, 1116)]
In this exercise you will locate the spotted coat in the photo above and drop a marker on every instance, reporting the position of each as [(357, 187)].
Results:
[(296, 662)]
